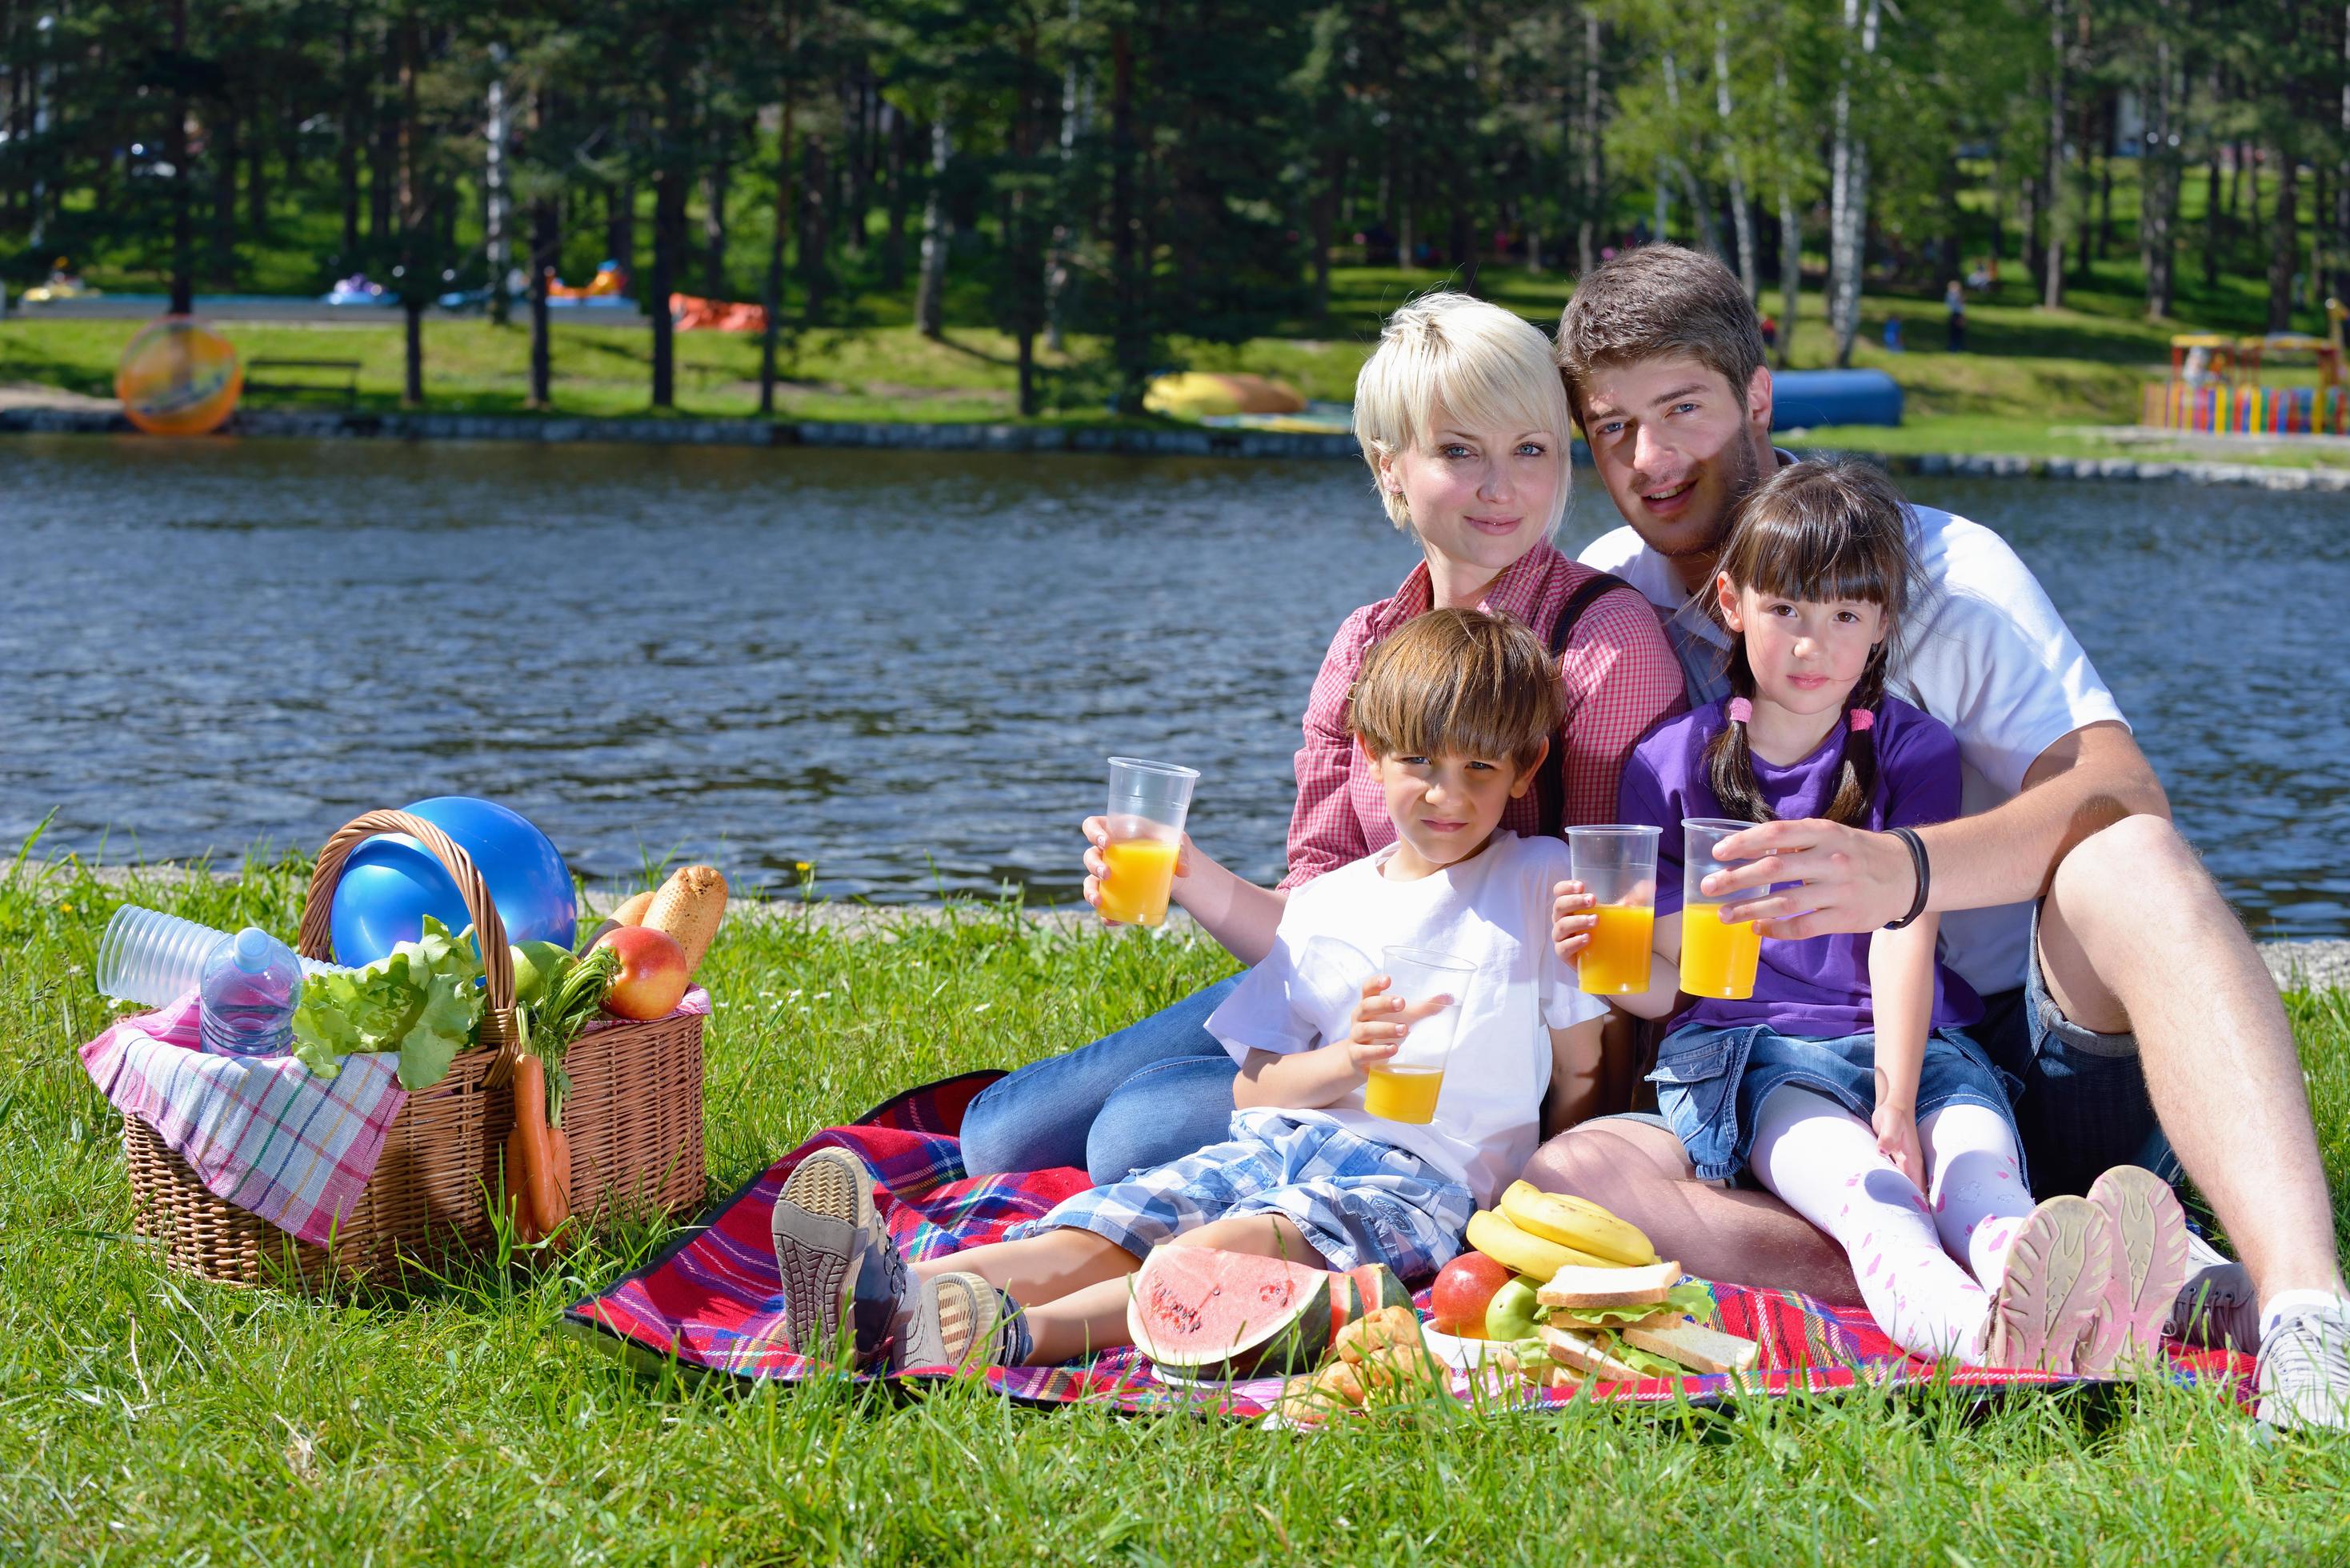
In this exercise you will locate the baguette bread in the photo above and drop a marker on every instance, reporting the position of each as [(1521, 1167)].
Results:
[(1695, 1346), (1576, 1286), (688, 907), (1586, 1355)]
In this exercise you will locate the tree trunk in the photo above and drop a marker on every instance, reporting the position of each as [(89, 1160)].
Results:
[(256, 178), (347, 155), (413, 216), (785, 205), (2110, 129), (412, 381), (1848, 185), (930, 288), (2212, 220), (1129, 331), (621, 227), (2052, 276), (670, 181), (1741, 215), (714, 182), (893, 239), (1709, 236), (2158, 167), (2284, 240), (546, 244), (1790, 273), (1586, 227), (816, 231), (1325, 220), (494, 200), (175, 144)]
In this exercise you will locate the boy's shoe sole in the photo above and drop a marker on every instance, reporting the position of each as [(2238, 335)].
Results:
[(2055, 1280), (2149, 1235), (823, 1223), (956, 1325)]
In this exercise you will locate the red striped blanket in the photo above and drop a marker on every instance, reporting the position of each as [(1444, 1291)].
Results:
[(713, 1302)]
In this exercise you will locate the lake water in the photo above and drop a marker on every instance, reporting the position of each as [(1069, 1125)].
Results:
[(906, 668)]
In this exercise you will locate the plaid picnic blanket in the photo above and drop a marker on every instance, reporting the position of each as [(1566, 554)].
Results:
[(264, 1133), (712, 1300)]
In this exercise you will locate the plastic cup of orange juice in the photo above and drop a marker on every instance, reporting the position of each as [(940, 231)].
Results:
[(1405, 1087), (1616, 865), (1148, 802), (1718, 958)]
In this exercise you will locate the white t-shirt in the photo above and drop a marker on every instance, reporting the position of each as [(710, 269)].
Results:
[(1985, 653), (1491, 910)]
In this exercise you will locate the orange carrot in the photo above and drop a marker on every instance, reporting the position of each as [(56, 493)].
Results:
[(548, 1203), (510, 1164)]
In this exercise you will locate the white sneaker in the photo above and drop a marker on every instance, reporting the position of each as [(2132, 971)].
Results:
[(2217, 1307), (2304, 1370)]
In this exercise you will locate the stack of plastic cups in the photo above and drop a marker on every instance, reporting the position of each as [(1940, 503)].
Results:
[(155, 959)]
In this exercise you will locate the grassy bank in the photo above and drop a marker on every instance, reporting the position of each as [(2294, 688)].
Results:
[(144, 1417), (2029, 379)]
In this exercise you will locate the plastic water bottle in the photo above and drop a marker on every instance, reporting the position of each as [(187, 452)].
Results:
[(251, 982), (154, 959)]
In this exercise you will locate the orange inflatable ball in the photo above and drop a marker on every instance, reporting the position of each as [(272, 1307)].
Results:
[(179, 378)]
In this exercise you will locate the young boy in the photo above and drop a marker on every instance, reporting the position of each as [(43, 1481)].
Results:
[(1453, 712)]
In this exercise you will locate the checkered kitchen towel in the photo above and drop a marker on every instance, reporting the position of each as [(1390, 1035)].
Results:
[(264, 1133)]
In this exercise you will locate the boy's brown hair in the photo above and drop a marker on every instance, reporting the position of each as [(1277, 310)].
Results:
[(1654, 300), (1458, 682)]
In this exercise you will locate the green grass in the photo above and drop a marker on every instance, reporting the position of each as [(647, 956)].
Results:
[(148, 1417)]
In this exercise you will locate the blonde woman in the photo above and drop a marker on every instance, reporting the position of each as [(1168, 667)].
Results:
[(1463, 423)]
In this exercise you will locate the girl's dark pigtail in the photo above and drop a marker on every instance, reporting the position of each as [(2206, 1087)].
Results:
[(1857, 783), (1728, 761)]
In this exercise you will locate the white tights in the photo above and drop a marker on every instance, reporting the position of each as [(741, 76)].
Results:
[(1823, 1163)]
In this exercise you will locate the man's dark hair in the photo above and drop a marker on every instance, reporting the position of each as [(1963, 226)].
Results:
[(1654, 300)]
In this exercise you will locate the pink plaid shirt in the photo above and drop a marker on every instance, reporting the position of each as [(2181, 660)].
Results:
[(1620, 675)]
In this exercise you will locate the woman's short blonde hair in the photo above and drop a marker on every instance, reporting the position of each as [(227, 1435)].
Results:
[(1482, 366)]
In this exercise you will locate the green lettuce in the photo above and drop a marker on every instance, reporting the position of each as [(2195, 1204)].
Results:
[(1689, 1300), (423, 1000)]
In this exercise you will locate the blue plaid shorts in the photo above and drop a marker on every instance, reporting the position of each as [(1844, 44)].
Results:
[(1357, 1200)]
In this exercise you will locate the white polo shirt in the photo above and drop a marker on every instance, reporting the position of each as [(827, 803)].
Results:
[(1985, 653)]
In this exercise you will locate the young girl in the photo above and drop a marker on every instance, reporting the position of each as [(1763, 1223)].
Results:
[(1846, 1083), (1453, 714)]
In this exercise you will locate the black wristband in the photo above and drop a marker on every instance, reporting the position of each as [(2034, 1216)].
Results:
[(1908, 835)]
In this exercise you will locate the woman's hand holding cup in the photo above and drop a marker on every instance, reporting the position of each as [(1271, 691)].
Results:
[(1096, 832)]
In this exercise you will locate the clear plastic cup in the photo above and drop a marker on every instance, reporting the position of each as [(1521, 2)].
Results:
[(154, 959), (1718, 957), (1148, 804), (1406, 1086), (1616, 865)]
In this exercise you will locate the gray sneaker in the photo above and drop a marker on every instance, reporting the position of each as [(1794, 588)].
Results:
[(2049, 1294), (960, 1323), (2217, 1307), (2304, 1370), (839, 1266), (2150, 1262)]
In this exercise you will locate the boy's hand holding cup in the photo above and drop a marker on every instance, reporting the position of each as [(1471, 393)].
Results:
[(1380, 1022)]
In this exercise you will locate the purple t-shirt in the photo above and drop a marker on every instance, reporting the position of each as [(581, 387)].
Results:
[(1816, 989)]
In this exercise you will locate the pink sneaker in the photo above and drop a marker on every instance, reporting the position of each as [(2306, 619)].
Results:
[(2150, 1266), (2050, 1292)]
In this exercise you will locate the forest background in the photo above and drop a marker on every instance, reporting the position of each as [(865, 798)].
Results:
[(1107, 189)]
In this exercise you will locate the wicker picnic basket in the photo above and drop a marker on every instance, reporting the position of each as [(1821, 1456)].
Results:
[(634, 1117)]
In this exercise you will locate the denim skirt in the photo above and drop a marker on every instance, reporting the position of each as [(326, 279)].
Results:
[(1710, 1083)]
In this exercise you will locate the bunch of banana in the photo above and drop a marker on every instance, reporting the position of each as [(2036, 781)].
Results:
[(1537, 1234)]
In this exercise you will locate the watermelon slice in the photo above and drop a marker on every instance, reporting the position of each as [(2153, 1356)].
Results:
[(1203, 1314)]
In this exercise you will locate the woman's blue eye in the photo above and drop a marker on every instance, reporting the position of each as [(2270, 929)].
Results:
[(1534, 449)]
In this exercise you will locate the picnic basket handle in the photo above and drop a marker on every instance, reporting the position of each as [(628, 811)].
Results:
[(498, 1027)]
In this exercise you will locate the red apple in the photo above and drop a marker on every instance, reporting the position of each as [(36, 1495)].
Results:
[(1463, 1287), (653, 972)]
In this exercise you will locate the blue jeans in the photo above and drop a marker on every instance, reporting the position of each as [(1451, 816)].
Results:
[(1144, 1096)]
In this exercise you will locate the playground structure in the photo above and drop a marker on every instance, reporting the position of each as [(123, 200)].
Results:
[(2214, 386)]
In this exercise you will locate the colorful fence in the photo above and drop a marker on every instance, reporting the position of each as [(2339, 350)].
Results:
[(2248, 410)]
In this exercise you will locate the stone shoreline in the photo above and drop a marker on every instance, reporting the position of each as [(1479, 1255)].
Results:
[(316, 424)]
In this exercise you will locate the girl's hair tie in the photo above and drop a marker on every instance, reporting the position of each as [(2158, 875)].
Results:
[(1862, 719), (1741, 711)]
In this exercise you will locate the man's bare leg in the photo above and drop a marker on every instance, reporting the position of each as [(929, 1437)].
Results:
[(1640, 1172), (2136, 939)]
